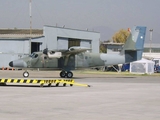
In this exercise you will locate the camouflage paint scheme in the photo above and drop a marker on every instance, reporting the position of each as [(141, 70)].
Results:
[(77, 57)]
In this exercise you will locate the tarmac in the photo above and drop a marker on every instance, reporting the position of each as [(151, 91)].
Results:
[(110, 97)]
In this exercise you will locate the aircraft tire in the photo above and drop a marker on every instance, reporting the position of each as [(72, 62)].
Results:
[(62, 74), (69, 74), (25, 74)]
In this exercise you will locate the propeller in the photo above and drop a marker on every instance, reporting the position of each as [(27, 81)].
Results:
[(45, 51)]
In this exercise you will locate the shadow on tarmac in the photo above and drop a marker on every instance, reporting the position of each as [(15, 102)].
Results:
[(34, 86), (100, 77)]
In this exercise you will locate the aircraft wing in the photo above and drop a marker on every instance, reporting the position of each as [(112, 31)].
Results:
[(75, 50), (72, 50)]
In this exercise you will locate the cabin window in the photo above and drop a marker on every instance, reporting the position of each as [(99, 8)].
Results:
[(33, 55)]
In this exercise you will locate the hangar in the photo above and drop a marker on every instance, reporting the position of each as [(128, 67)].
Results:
[(64, 38), (15, 43)]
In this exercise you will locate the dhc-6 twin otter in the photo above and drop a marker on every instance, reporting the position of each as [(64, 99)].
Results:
[(78, 57)]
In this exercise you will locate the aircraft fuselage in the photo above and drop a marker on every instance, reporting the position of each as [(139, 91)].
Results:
[(82, 60)]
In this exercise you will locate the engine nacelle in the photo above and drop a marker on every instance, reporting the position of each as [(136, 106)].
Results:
[(78, 48), (53, 54)]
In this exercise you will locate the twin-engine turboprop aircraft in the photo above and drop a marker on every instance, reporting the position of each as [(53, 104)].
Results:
[(77, 57)]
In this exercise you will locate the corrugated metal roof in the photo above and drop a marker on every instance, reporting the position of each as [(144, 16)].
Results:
[(21, 31), (20, 35)]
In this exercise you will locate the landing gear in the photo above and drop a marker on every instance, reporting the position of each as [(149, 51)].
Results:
[(25, 74), (69, 74), (64, 74)]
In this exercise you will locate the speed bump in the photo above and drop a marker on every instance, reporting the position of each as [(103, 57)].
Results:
[(42, 82)]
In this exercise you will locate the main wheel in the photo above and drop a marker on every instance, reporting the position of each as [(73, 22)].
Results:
[(62, 74), (69, 74), (25, 74)]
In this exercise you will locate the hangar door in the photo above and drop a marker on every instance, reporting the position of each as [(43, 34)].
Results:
[(66, 43), (86, 43), (73, 42), (35, 46)]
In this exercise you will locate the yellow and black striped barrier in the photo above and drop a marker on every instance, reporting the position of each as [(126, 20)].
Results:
[(71, 82)]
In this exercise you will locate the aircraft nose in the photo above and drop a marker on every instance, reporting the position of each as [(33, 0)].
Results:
[(18, 63), (11, 64)]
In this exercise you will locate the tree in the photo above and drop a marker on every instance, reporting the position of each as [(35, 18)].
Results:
[(102, 48), (121, 36)]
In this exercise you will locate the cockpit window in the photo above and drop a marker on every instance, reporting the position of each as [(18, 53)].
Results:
[(31, 54), (34, 55)]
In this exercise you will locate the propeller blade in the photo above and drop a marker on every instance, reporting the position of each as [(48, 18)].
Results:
[(45, 51)]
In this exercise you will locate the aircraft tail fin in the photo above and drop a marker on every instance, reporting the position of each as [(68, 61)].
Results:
[(133, 48)]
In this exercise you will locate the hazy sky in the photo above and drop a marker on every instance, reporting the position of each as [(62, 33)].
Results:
[(104, 16)]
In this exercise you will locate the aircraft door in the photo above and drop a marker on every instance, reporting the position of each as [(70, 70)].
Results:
[(89, 59), (29, 63), (46, 62), (70, 60), (44, 59), (34, 60), (61, 62)]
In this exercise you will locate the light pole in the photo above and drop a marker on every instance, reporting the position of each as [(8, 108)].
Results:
[(151, 32), (30, 11)]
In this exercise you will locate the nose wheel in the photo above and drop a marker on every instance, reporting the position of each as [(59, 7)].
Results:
[(26, 74), (67, 74)]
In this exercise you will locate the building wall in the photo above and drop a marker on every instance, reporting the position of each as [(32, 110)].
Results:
[(86, 43), (52, 34), (11, 49), (62, 43), (14, 46)]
